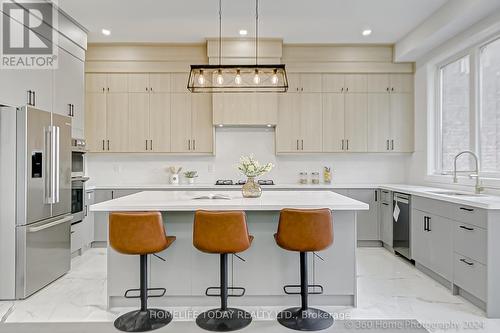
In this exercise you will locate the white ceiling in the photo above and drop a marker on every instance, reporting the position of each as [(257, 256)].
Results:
[(306, 21)]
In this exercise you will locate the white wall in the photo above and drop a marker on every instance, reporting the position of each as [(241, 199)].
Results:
[(231, 143)]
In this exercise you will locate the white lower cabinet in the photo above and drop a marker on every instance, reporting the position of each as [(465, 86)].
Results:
[(451, 240), (432, 239), (76, 237), (367, 221), (386, 219)]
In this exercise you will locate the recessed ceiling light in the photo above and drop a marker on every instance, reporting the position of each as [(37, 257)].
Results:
[(106, 32), (367, 32), (243, 32)]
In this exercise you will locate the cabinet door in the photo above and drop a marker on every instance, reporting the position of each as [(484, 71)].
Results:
[(310, 83), (202, 131), (441, 246), (95, 82), (355, 83), (333, 122), (356, 122), (179, 82), (293, 83), (160, 83), (378, 83), (180, 126), (138, 83), (386, 220), (378, 122), (402, 83), (159, 122), (95, 121), (101, 219), (420, 239), (68, 89), (138, 122), (367, 220), (311, 122), (288, 129), (401, 122), (333, 83), (117, 83), (233, 108), (117, 122)]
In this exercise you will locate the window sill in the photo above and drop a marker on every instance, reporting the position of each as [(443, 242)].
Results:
[(464, 181)]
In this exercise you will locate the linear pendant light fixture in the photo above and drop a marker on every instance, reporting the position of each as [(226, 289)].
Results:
[(238, 78)]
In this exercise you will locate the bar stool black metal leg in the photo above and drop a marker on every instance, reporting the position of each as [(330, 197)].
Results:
[(145, 319), (305, 318), (223, 319)]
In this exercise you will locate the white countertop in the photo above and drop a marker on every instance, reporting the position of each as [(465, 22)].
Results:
[(270, 201), (484, 201)]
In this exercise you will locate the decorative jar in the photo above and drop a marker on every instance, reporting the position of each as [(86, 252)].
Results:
[(251, 189)]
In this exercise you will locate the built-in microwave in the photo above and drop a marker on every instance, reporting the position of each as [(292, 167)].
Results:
[(78, 158)]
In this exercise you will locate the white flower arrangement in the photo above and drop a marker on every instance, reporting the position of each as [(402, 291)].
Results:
[(250, 167)]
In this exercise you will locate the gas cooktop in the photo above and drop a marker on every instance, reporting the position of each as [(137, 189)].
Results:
[(242, 182)]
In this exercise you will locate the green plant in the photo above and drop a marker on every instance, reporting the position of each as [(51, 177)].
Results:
[(191, 174)]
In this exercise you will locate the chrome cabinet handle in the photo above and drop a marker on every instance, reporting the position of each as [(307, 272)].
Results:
[(302, 144), (48, 166), (150, 144), (392, 144), (297, 144), (467, 262), (347, 142), (103, 145), (108, 144), (56, 163)]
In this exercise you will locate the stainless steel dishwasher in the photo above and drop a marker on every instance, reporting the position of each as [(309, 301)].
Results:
[(401, 224)]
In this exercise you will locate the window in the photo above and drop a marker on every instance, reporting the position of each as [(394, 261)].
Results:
[(489, 83), (455, 129), (468, 110)]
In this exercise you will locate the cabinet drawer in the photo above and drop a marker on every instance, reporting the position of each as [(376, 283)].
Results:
[(470, 241), (462, 213), (470, 275)]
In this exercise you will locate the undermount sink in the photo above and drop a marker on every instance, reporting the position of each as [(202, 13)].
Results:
[(456, 194)]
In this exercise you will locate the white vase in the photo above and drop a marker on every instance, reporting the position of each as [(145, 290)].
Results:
[(174, 178), (190, 181)]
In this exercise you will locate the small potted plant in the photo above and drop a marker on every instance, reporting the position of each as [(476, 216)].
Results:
[(251, 168), (190, 176)]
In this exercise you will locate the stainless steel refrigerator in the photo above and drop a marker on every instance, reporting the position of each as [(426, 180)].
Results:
[(35, 199)]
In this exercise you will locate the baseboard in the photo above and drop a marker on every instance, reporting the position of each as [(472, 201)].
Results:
[(443, 281), (99, 245), (369, 243)]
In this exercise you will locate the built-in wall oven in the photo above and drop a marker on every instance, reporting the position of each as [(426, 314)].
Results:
[(78, 180)]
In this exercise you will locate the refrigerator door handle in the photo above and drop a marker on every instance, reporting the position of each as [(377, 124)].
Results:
[(48, 165), (56, 170), (51, 224)]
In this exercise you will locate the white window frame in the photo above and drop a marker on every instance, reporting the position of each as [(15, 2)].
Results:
[(438, 144)]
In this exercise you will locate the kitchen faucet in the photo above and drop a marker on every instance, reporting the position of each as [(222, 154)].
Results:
[(478, 187)]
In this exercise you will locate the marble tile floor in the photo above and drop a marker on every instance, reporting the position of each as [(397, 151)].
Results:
[(388, 288)]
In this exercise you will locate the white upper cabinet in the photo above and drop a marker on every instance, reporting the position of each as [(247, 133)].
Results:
[(160, 83), (394, 83), (356, 122), (308, 83), (379, 83), (95, 82), (117, 83), (333, 122), (138, 83), (379, 120), (333, 83), (179, 82), (401, 83), (401, 122), (355, 83)]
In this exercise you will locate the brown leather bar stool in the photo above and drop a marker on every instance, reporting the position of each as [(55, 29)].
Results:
[(305, 231), (222, 232), (140, 233)]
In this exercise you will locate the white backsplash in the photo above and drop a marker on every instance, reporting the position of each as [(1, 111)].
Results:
[(231, 143)]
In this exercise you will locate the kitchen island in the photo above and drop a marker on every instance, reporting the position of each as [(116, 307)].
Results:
[(187, 272)]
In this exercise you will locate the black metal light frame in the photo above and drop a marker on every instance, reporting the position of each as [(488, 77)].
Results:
[(266, 73), (209, 72)]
